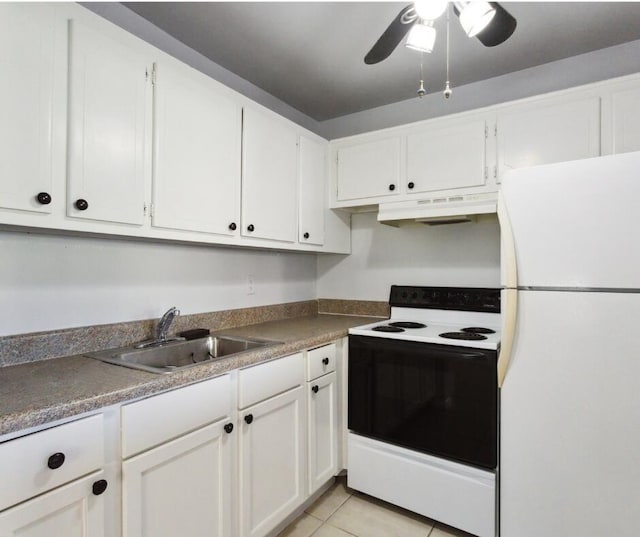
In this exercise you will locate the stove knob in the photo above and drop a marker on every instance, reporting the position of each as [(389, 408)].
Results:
[(414, 295), (404, 294)]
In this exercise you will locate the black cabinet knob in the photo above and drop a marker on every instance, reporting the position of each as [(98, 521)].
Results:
[(232, 226), (392, 187), (44, 198), (81, 205), (250, 227), (228, 427), (248, 418), (315, 388), (325, 361), (56, 460), (411, 185), (306, 235), (99, 486)]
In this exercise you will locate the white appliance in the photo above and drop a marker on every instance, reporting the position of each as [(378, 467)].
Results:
[(423, 405), (570, 361)]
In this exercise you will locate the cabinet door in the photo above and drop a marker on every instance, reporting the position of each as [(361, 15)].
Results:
[(544, 133), (269, 177), (369, 169), (107, 127), (182, 487), (447, 157), (272, 462), (26, 105), (626, 120), (197, 135), (70, 511), (312, 157), (323, 430)]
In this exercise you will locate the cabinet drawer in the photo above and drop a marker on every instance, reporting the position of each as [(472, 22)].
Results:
[(263, 381), (321, 361), (30, 463), (160, 418)]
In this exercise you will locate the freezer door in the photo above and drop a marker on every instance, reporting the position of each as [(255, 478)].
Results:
[(570, 415), (573, 224)]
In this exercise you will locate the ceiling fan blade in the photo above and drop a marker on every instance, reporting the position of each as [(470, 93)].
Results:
[(392, 36), (499, 29)]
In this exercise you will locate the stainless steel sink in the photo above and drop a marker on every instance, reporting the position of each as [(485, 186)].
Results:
[(178, 355)]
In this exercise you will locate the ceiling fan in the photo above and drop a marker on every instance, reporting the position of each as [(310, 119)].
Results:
[(488, 21)]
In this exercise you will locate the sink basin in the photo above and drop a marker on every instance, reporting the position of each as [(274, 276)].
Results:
[(178, 355)]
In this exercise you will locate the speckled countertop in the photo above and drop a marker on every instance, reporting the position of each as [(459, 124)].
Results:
[(40, 392)]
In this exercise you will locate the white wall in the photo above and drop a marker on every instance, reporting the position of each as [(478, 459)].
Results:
[(457, 255), (52, 282)]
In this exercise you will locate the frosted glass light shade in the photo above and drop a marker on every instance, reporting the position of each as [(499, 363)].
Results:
[(475, 16), (430, 9), (421, 37)]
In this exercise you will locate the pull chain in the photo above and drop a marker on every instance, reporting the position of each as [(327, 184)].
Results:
[(447, 88), (421, 91)]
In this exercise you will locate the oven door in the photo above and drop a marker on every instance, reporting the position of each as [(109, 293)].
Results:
[(437, 399)]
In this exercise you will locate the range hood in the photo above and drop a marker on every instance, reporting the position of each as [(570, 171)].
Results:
[(438, 211)]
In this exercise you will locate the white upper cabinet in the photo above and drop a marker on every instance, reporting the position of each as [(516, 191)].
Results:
[(197, 137), (369, 169), (109, 85), (26, 106), (448, 155), (312, 158), (547, 131), (625, 120), (269, 177)]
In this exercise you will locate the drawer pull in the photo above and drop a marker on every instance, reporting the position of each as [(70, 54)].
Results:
[(248, 418), (100, 486), (315, 388), (44, 198), (325, 361), (228, 428), (56, 460)]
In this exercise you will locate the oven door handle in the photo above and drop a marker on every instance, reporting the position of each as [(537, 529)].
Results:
[(470, 356)]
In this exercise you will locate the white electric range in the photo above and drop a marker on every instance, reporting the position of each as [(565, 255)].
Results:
[(423, 405)]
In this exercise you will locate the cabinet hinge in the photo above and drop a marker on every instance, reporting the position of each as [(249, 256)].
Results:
[(495, 130), (151, 210), (495, 172), (486, 172), (144, 209), (153, 75), (486, 132)]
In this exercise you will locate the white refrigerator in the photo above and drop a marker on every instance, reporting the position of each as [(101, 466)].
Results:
[(569, 367)]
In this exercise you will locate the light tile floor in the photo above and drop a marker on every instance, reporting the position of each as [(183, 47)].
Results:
[(343, 512)]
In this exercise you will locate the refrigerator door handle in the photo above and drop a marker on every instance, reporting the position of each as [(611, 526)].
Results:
[(509, 313), (509, 293), (508, 263)]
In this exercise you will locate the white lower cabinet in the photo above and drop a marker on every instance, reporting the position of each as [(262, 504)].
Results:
[(323, 430), (73, 510), (53, 482), (183, 487), (183, 484), (272, 455), (272, 462)]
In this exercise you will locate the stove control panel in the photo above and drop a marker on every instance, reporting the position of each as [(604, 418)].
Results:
[(446, 298)]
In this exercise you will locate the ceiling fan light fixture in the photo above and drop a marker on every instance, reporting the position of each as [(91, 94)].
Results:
[(422, 37), (475, 16), (430, 9)]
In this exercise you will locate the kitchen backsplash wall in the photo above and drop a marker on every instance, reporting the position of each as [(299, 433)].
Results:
[(457, 255), (53, 282)]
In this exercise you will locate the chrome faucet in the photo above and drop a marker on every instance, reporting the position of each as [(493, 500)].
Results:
[(162, 330), (165, 322)]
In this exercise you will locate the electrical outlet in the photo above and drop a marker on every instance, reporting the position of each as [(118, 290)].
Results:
[(251, 288)]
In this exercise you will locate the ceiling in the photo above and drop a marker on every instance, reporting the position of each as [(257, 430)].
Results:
[(310, 54)]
